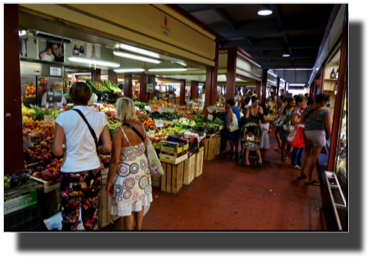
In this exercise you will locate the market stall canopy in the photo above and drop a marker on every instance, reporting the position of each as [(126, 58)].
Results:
[(174, 38)]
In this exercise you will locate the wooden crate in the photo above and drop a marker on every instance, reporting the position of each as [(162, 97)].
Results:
[(177, 101), (104, 216), (156, 181), (172, 180), (49, 202), (198, 165), (173, 158), (210, 148), (188, 170), (218, 144)]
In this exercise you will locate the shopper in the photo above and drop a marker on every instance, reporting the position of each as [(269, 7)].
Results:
[(255, 111), (251, 144), (284, 132), (81, 169), (61, 104), (128, 180), (296, 117), (280, 102), (316, 119), (234, 136), (271, 110), (264, 143)]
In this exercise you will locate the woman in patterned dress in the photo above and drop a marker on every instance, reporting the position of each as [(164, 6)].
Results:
[(129, 180)]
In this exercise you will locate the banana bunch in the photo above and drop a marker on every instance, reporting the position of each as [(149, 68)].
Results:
[(26, 112)]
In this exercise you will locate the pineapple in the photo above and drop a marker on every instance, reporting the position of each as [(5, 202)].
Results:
[(38, 113)]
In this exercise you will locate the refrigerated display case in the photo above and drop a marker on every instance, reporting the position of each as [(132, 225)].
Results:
[(36, 79)]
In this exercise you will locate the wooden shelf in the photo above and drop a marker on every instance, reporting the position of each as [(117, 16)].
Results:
[(329, 90), (331, 80)]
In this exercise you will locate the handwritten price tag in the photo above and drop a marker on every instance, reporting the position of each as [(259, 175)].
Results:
[(210, 117), (48, 118), (183, 119), (137, 108), (147, 108), (159, 123)]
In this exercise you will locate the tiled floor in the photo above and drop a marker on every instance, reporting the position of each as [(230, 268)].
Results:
[(230, 197)]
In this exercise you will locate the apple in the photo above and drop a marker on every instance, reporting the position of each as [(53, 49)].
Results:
[(48, 166), (36, 174), (43, 144), (44, 150), (50, 183)]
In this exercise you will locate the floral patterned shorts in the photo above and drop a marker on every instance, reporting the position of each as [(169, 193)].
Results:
[(80, 190)]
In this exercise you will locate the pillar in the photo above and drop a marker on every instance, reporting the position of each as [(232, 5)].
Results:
[(112, 76), (215, 74), (127, 88), (208, 90), (182, 92), (258, 89), (143, 96), (194, 89), (264, 80), (13, 148), (231, 73), (96, 75)]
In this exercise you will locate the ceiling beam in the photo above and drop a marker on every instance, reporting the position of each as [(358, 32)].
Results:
[(293, 24), (227, 18), (201, 7)]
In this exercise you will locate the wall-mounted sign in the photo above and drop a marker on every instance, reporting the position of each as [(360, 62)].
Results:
[(149, 88), (165, 24), (55, 71)]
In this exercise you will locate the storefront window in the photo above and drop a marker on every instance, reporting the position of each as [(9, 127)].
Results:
[(341, 153)]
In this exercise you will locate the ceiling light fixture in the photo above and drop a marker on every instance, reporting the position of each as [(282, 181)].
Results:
[(140, 51), (21, 32), (286, 55), (297, 85), (129, 70), (265, 10), (135, 57), (169, 69), (272, 73), (93, 62)]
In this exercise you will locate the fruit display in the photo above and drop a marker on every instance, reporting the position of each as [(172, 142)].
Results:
[(98, 85), (158, 137), (7, 183), (26, 112), (160, 102), (19, 177), (108, 109), (140, 105), (38, 113), (30, 90), (166, 116), (111, 86)]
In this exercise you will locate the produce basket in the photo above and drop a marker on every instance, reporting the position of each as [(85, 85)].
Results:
[(94, 89), (19, 177)]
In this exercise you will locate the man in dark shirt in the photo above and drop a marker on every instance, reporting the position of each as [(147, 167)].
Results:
[(309, 99)]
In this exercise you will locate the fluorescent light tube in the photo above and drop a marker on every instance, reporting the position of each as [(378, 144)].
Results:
[(169, 69), (94, 62), (135, 57), (270, 72), (286, 55), (140, 51), (129, 70), (297, 85)]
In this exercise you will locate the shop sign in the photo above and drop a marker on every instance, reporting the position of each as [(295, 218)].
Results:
[(165, 25), (159, 123), (55, 71)]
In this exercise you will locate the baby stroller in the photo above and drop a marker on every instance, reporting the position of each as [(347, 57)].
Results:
[(244, 125)]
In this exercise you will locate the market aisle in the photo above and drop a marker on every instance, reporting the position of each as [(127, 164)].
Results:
[(229, 197)]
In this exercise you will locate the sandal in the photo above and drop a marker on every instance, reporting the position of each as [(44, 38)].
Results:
[(314, 183), (277, 149), (286, 159), (283, 159), (302, 177), (296, 167), (247, 162)]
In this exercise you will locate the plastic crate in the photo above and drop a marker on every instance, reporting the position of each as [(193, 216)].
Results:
[(26, 219)]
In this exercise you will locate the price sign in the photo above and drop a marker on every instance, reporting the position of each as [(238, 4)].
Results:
[(211, 109), (210, 117), (159, 123), (183, 119), (137, 108), (48, 118), (55, 71), (147, 108)]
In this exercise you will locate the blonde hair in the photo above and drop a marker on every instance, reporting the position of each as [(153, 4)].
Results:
[(80, 93), (126, 109)]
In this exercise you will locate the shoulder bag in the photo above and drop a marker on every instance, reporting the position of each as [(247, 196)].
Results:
[(154, 162), (234, 126), (89, 127)]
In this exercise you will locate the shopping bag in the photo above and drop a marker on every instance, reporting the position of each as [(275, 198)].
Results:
[(155, 166), (279, 121), (234, 126), (292, 134), (298, 140)]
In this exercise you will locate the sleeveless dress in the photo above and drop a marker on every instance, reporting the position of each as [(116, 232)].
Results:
[(251, 145), (272, 115), (132, 182), (265, 143)]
